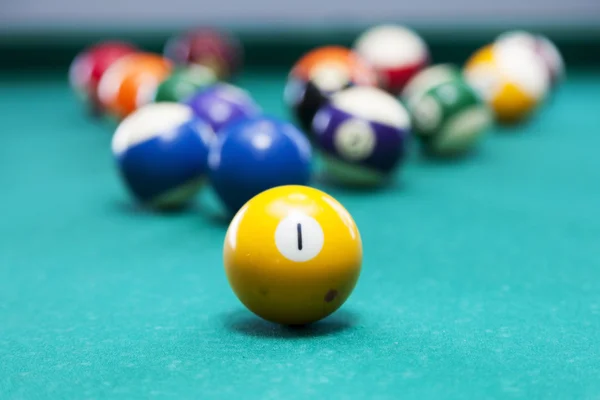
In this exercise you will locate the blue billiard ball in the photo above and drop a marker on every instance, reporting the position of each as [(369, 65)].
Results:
[(161, 152), (221, 104), (257, 154)]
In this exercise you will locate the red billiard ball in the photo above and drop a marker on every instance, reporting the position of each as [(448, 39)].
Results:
[(218, 50), (396, 52), (87, 69)]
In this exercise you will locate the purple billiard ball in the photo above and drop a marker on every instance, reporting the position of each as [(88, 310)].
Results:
[(222, 104), (363, 135)]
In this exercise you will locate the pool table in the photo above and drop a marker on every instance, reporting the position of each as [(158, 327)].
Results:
[(480, 280)]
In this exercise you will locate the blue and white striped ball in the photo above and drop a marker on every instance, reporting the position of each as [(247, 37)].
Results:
[(162, 154)]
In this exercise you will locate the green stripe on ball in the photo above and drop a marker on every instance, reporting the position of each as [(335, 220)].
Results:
[(450, 118), (183, 83)]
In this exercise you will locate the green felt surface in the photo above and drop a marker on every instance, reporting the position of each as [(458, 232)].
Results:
[(481, 277)]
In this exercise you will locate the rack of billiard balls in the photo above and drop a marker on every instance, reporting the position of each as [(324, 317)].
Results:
[(292, 253)]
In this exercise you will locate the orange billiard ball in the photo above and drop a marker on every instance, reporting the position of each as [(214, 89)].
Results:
[(131, 82), (319, 74), (87, 69), (293, 255)]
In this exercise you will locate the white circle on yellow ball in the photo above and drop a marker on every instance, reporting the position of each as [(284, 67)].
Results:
[(299, 237), (272, 285), (354, 139)]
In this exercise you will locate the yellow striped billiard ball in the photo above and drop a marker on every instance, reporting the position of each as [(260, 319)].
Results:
[(511, 78), (292, 255)]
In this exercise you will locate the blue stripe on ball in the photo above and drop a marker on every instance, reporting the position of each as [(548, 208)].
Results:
[(166, 162)]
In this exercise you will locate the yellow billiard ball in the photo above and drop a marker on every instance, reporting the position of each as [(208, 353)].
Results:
[(511, 78), (292, 255)]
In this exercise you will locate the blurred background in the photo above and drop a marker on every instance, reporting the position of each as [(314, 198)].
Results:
[(28, 26), (41, 15)]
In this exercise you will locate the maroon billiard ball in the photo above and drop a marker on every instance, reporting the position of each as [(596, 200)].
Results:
[(215, 49), (87, 69)]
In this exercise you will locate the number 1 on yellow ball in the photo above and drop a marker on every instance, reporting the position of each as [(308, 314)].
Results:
[(293, 255)]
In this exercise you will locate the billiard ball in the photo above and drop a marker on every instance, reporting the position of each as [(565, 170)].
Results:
[(363, 134), (184, 82), (510, 78), (319, 74), (543, 47), (396, 52), (88, 67), (216, 49), (428, 78), (221, 104), (131, 82), (161, 151), (293, 255), (450, 118), (254, 155)]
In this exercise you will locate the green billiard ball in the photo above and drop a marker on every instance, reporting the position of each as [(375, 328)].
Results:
[(427, 79), (450, 118), (183, 83)]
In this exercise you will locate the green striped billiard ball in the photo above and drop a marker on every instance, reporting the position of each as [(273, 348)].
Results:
[(428, 78), (183, 83), (450, 118)]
